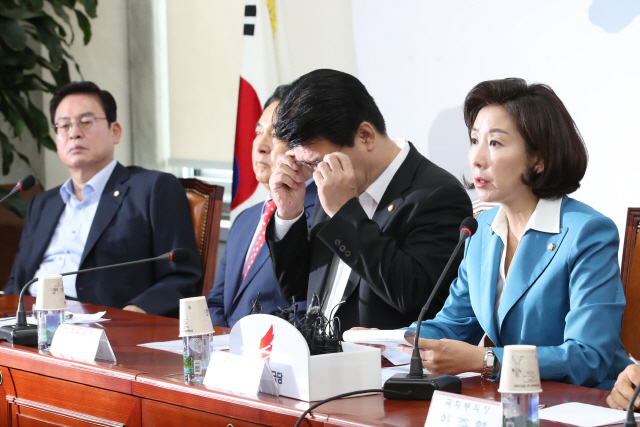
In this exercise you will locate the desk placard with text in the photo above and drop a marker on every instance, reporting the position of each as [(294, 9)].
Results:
[(81, 343), (448, 409)]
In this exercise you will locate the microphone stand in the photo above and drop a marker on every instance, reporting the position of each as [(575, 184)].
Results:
[(24, 334), (416, 385)]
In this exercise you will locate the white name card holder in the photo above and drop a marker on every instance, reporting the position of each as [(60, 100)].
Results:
[(448, 409), (81, 343), (236, 373), (298, 374)]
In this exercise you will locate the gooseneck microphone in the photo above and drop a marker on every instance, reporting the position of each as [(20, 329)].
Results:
[(23, 185), (422, 386), (24, 334)]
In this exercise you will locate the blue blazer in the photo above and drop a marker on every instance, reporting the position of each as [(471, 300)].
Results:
[(563, 295), (231, 298), (141, 214)]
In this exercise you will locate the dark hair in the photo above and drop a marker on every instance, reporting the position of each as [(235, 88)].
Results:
[(546, 127), (84, 88), (278, 95), (326, 104)]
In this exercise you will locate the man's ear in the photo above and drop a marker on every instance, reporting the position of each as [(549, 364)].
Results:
[(367, 135), (116, 132)]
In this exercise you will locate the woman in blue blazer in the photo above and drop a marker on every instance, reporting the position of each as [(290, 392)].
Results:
[(542, 269)]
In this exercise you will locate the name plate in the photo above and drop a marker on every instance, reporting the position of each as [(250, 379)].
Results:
[(243, 374), (448, 409), (81, 343)]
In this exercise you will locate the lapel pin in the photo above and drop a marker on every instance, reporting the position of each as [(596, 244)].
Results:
[(116, 193), (391, 207), (552, 246)]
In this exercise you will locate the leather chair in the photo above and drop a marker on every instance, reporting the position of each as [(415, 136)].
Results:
[(205, 201), (631, 284)]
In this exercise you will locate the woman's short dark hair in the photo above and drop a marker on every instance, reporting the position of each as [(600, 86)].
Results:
[(326, 104), (107, 102), (546, 127)]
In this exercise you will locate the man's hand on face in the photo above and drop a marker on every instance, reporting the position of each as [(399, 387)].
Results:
[(336, 182), (287, 186)]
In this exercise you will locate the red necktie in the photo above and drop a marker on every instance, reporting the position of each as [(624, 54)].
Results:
[(269, 209)]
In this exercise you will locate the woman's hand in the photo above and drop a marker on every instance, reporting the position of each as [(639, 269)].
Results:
[(623, 389), (448, 356)]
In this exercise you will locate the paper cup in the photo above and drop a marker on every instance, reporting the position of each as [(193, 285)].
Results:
[(50, 293), (194, 317), (520, 372)]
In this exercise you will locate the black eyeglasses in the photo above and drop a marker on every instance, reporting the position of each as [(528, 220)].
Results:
[(84, 124)]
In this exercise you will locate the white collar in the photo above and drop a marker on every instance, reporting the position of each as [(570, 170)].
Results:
[(545, 218), (379, 186)]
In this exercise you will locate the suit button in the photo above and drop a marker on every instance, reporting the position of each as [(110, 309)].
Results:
[(347, 254), (342, 248), (337, 242)]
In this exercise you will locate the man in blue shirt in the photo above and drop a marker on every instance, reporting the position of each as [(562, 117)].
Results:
[(105, 214)]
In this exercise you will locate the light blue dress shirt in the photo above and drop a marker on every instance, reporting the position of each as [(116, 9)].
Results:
[(67, 243)]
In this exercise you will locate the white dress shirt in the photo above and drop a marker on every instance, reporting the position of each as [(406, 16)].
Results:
[(545, 218), (70, 236), (339, 272)]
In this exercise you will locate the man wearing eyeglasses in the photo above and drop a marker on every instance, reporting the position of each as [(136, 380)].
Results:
[(386, 218), (105, 214)]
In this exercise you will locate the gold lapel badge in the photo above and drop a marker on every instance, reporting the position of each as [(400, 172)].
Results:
[(551, 246), (391, 207), (116, 193)]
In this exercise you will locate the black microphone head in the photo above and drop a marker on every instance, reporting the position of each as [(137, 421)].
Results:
[(26, 183), (179, 255), (468, 227), (313, 313)]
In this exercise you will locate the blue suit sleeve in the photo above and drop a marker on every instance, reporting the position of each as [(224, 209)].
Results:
[(456, 320), (215, 300)]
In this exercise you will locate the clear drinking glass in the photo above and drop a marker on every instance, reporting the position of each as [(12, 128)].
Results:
[(520, 410), (48, 321), (196, 351)]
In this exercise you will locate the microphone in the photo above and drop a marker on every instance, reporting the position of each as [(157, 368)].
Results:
[(422, 386), (23, 185), (24, 334), (631, 420)]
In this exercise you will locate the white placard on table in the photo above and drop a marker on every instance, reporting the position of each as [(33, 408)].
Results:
[(244, 374), (81, 343), (448, 409), (390, 339)]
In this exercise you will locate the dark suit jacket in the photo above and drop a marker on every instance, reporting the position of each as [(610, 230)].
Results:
[(231, 298), (396, 257), (141, 214)]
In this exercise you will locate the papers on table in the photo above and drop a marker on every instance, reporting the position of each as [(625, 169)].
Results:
[(220, 342), (69, 318), (583, 415), (390, 339)]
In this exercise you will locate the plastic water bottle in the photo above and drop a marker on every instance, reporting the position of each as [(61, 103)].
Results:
[(196, 354), (48, 321), (520, 410)]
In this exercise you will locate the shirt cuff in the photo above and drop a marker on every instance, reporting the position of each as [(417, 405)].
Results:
[(282, 226)]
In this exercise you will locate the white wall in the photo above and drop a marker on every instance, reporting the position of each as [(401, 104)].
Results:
[(420, 58), (105, 62)]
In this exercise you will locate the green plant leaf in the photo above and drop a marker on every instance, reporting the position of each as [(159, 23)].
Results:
[(85, 26), (59, 10), (20, 14), (15, 204), (90, 7), (48, 35), (7, 153), (40, 122), (61, 75), (13, 34)]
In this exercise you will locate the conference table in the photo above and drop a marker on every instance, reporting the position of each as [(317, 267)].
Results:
[(146, 387)]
